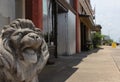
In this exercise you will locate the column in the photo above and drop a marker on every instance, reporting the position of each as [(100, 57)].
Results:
[(78, 49), (34, 11)]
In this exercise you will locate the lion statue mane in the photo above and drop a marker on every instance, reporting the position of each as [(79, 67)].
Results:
[(23, 52)]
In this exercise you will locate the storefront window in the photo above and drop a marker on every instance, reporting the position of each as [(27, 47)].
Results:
[(47, 21), (45, 7)]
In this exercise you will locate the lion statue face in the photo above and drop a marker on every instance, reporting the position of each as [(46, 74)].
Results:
[(25, 47), (27, 42)]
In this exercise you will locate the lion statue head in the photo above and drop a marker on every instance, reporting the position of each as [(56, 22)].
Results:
[(23, 52)]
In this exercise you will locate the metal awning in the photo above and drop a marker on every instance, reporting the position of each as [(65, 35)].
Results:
[(87, 20)]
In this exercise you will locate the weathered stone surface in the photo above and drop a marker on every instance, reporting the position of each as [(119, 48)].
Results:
[(23, 52)]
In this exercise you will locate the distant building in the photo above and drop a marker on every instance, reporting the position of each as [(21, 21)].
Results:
[(107, 40), (97, 28), (106, 37)]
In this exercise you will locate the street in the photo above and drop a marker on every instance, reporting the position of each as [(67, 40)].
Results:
[(99, 65)]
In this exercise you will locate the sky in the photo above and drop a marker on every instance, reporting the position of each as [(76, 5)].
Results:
[(107, 14)]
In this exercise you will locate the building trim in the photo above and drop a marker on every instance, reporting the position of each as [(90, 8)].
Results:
[(87, 20), (66, 5), (78, 41)]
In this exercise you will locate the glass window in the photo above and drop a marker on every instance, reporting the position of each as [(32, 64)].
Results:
[(47, 21), (45, 7)]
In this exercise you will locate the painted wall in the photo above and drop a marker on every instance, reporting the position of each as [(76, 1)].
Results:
[(19, 8), (10, 10), (66, 34), (7, 8), (71, 33), (62, 34), (7, 11)]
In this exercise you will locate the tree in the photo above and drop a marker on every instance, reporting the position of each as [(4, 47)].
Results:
[(107, 40), (97, 37)]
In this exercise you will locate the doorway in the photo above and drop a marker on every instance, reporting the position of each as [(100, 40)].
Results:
[(51, 14), (83, 37), (59, 16)]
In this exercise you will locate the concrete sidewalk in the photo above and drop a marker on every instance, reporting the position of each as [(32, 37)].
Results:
[(93, 66)]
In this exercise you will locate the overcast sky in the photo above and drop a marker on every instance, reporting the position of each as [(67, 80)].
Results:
[(108, 16)]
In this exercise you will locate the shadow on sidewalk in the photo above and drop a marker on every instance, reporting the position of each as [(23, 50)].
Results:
[(63, 68)]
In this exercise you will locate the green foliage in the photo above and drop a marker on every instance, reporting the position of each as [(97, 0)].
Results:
[(97, 39), (91, 47), (107, 41)]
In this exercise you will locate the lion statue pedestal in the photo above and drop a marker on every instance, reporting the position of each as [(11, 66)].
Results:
[(23, 52)]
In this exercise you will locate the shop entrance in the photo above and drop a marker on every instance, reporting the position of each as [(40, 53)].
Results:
[(83, 37), (51, 11)]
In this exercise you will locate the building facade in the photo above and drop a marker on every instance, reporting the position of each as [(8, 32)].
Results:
[(59, 26), (66, 24), (97, 28), (85, 23)]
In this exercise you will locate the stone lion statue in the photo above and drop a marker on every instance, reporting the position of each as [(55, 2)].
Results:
[(23, 52)]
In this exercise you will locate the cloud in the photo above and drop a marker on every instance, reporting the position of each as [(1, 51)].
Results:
[(108, 15)]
